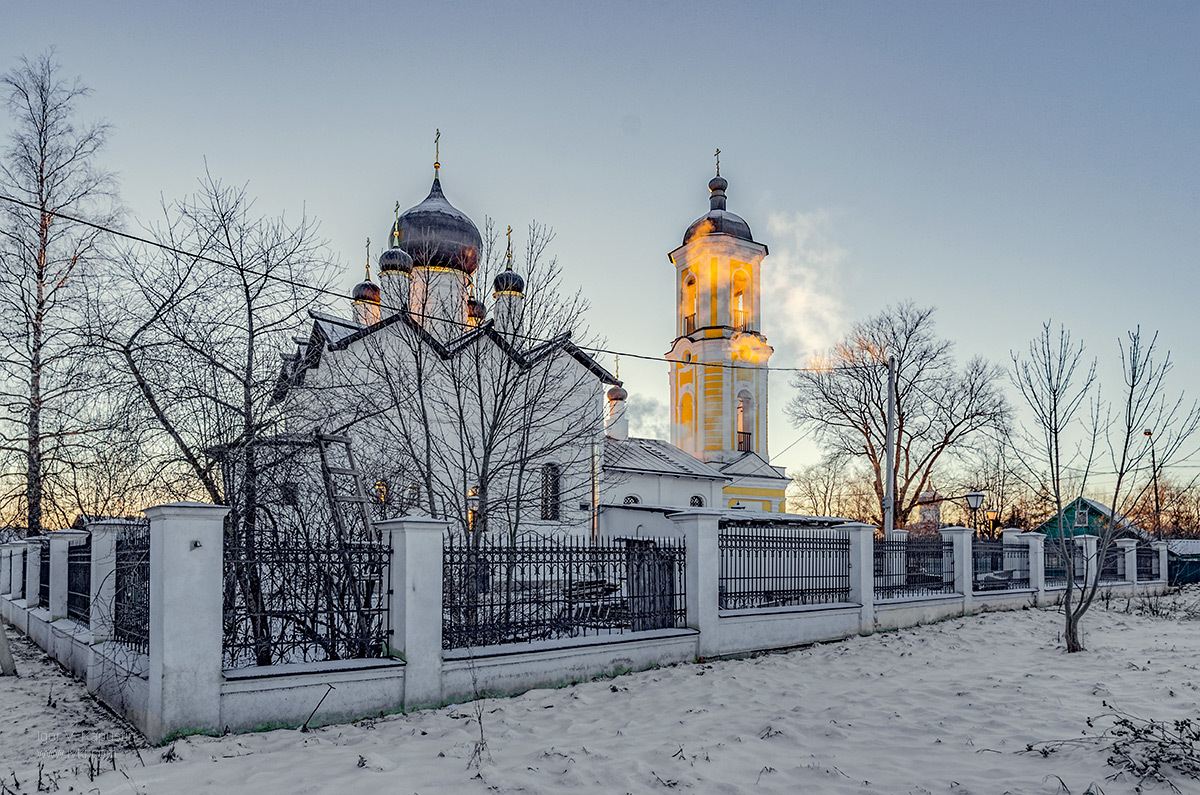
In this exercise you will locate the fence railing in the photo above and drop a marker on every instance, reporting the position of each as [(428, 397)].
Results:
[(305, 600), (1112, 569), (1056, 565), (913, 568), (44, 573), (131, 586), (496, 592), (997, 566), (1147, 563), (774, 567), (79, 581)]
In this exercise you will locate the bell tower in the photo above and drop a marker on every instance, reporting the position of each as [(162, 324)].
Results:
[(719, 357)]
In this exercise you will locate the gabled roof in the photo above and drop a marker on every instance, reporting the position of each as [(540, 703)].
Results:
[(655, 457), (335, 334), (1095, 508), (752, 465)]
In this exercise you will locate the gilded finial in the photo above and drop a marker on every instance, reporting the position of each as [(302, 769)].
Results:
[(508, 251), (618, 373), (396, 228), (437, 151), (368, 259), (717, 155)]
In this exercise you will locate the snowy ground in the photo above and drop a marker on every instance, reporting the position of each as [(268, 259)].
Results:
[(942, 708)]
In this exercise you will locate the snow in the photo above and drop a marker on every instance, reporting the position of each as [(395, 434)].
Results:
[(947, 707)]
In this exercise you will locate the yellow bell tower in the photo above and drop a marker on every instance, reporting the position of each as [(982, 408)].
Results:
[(719, 358)]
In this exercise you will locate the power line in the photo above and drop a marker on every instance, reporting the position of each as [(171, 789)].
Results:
[(340, 296)]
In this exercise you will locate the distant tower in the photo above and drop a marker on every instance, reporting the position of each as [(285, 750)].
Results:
[(509, 293), (366, 297), (395, 273), (719, 357)]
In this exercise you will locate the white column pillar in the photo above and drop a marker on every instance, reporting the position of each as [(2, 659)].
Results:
[(1091, 566), (1037, 563), (17, 569), (702, 575), (186, 586), (60, 543), (862, 571), (963, 573), (1129, 546), (103, 578), (1161, 546), (415, 607), (33, 573)]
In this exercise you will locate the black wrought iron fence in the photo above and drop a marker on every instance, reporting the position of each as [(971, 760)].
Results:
[(305, 600), (79, 581), (497, 592), (1147, 563), (44, 573), (1056, 563), (776, 567), (1112, 568), (131, 586), (997, 566), (913, 568)]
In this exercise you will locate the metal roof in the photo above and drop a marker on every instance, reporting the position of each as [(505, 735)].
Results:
[(655, 457)]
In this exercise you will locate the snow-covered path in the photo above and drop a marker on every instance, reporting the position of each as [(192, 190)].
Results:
[(941, 708)]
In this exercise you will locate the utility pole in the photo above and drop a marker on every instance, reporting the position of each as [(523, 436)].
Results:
[(1154, 473), (889, 487)]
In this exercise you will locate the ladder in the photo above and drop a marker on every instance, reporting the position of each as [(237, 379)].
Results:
[(338, 497)]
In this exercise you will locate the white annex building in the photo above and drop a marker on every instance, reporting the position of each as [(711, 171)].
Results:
[(460, 414)]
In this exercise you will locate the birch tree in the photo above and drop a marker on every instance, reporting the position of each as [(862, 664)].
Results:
[(48, 169)]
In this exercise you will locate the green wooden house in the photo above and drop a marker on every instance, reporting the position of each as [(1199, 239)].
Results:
[(1087, 517)]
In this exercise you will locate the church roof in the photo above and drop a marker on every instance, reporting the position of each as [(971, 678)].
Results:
[(752, 465), (655, 457)]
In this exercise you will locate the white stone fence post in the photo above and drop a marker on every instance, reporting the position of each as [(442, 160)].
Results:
[(103, 578), (186, 584), (964, 571), (1163, 560), (1037, 562), (33, 572), (862, 571), (6, 552), (415, 604), (702, 574), (1091, 565), (16, 568), (1128, 547)]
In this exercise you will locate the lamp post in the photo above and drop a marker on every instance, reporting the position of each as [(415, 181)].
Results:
[(974, 500), (992, 517), (1154, 473)]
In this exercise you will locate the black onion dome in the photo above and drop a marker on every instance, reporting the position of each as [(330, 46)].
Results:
[(395, 259), (475, 309), (718, 220), (508, 281), (437, 233), (617, 393), (366, 291)]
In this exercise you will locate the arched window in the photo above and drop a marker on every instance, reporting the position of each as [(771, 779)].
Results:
[(551, 490), (632, 499), (696, 501), (739, 303), (745, 422), (689, 304)]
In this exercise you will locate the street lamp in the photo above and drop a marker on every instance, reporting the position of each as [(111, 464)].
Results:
[(1154, 473), (993, 517)]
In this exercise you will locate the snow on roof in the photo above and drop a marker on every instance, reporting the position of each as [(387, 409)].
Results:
[(1184, 546), (655, 457)]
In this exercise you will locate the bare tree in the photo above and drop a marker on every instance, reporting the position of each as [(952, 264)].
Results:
[(834, 487), (939, 408), (48, 168), (1057, 384)]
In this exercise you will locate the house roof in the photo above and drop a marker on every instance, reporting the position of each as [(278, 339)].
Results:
[(1095, 508), (655, 457), (1184, 546), (752, 465)]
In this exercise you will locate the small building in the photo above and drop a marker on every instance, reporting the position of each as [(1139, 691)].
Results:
[(1083, 516)]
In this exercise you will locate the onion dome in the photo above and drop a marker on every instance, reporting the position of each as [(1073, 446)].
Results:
[(436, 233), (476, 310), (508, 281), (366, 291), (395, 260), (718, 220), (617, 393)]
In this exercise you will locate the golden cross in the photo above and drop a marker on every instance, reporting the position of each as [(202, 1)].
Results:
[(368, 259), (618, 373), (396, 228), (508, 252), (437, 149), (718, 157)]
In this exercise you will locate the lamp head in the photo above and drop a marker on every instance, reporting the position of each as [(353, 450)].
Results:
[(974, 500)]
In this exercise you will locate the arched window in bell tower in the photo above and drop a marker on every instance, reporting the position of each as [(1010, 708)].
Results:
[(689, 304), (745, 422), (739, 303)]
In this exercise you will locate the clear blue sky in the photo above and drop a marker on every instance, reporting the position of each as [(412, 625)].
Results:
[(1007, 162)]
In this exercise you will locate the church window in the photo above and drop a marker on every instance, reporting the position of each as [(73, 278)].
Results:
[(551, 490), (632, 499), (689, 304), (745, 422), (696, 501), (740, 302)]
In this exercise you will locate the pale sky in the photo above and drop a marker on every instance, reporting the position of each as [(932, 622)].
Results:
[(1006, 162)]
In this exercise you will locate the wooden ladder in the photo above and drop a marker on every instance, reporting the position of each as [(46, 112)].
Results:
[(334, 494)]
